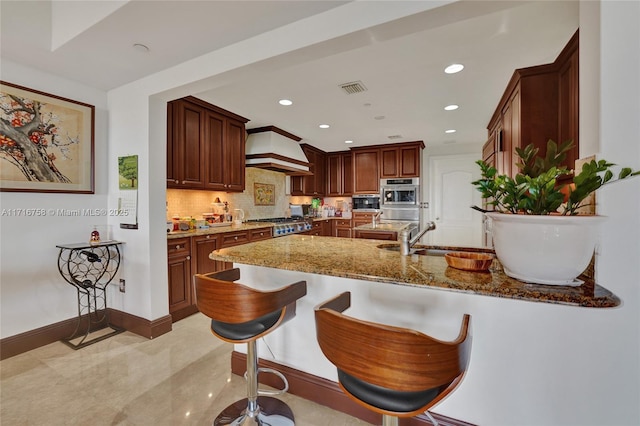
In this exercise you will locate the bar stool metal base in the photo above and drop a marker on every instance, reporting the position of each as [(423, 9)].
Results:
[(270, 412)]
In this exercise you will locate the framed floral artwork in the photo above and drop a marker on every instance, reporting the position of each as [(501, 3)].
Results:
[(264, 194), (46, 142)]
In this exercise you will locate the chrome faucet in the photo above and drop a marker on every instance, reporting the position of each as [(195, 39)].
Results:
[(406, 243), (375, 218)]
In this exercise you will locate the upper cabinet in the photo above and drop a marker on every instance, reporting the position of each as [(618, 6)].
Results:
[(339, 174), (401, 160), (205, 146), (370, 164), (539, 103), (366, 170), (314, 184)]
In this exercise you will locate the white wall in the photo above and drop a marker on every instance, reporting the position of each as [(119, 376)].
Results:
[(33, 294), (587, 370)]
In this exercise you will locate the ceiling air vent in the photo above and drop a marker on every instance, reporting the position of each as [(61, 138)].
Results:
[(394, 136), (353, 87)]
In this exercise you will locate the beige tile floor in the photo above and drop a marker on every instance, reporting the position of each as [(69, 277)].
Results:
[(180, 378)]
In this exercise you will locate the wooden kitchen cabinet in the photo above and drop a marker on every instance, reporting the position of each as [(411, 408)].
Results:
[(321, 228), (401, 160), (205, 146), (376, 235), (341, 228), (312, 185), (360, 218), (539, 103), (190, 255), (201, 247), (366, 170), (339, 174), (181, 302)]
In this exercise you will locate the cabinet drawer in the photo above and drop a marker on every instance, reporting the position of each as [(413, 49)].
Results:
[(261, 234), (229, 239), (343, 223), (179, 247)]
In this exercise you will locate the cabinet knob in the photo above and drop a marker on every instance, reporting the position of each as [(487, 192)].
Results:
[(208, 236), (177, 246), (177, 181), (188, 257), (235, 238)]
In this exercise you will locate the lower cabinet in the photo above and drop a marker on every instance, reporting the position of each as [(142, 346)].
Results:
[(181, 302), (321, 228), (190, 255), (342, 228), (376, 235)]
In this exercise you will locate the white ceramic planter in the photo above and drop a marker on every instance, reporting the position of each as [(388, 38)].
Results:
[(544, 249)]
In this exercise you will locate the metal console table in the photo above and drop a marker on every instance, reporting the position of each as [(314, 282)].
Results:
[(90, 267)]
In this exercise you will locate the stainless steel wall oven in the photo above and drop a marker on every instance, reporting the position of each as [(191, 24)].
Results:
[(400, 199)]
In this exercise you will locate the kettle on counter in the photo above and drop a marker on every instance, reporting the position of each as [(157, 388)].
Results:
[(238, 216)]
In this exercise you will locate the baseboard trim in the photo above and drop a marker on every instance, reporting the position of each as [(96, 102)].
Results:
[(32, 339), (325, 392), (141, 326)]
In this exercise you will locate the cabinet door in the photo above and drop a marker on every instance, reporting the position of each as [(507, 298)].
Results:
[(201, 247), (366, 171), (187, 146), (568, 107), (297, 185), (409, 158), (334, 175), (234, 161), (347, 174), (179, 283), (389, 163), (215, 151)]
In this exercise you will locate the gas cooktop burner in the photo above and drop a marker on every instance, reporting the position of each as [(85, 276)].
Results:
[(286, 225)]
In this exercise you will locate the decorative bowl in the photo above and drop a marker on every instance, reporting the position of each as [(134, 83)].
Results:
[(468, 261)]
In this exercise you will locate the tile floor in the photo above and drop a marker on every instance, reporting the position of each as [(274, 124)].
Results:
[(180, 378)]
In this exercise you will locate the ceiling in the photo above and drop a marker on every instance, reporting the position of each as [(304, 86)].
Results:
[(399, 63)]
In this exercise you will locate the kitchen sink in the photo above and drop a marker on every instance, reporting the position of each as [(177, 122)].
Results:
[(420, 250)]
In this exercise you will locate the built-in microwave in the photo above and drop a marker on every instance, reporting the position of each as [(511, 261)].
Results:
[(400, 192), (366, 202)]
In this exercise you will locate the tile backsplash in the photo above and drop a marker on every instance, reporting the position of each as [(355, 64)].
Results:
[(185, 202)]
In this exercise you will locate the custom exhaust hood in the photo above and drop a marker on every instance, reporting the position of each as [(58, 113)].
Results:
[(274, 149)]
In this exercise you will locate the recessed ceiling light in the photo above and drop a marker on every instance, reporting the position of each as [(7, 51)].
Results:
[(454, 68), (141, 48), (348, 141), (285, 102), (450, 131), (324, 126), (450, 107)]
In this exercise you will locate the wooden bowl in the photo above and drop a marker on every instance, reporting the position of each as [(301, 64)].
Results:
[(468, 261)]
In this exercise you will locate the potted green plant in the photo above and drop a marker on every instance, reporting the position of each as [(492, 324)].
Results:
[(538, 234)]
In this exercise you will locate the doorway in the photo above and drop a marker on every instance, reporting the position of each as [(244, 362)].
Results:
[(451, 196)]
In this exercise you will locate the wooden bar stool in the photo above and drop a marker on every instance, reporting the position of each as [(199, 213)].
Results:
[(393, 371), (240, 314)]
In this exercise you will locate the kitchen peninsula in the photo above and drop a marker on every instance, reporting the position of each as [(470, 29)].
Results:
[(372, 260), (516, 338)]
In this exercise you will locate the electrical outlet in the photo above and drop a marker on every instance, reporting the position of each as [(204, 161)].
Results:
[(121, 285)]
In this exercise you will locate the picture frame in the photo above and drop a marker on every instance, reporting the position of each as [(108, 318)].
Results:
[(46, 142), (264, 194)]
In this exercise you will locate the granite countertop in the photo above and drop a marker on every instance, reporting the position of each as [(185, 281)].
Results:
[(218, 230), (362, 259), (384, 226)]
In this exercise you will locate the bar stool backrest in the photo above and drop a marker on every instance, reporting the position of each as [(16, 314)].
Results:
[(395, 358)]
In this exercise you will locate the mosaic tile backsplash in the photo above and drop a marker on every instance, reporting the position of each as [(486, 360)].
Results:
[(183, 202)]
